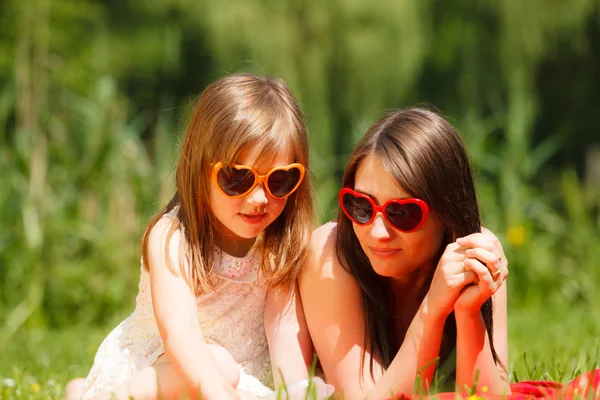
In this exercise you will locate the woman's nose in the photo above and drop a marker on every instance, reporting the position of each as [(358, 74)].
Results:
[(379, 229)]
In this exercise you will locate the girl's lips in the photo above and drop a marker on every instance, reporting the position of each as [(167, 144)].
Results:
[(253, 218)]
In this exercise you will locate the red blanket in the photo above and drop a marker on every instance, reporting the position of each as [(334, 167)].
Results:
[(586, 386)]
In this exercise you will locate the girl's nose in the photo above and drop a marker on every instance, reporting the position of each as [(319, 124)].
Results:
[(258, 196)]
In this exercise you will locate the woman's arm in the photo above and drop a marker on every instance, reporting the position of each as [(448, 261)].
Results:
[(333, 308), (473, 353), (419, 352), (290, 345), (475, 363), (417, 357), (176, 315)]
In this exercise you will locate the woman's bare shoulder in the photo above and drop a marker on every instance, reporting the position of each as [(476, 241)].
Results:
[(323, 238), (324, 259)]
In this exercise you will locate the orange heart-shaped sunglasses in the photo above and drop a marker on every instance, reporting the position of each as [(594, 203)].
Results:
[(236, 180)]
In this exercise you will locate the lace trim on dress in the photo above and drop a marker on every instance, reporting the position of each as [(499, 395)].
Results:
[(238, 269)]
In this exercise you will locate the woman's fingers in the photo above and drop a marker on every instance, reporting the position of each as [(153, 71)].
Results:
[(483, 275), (491, 259), (468, 277), (486, 247), (479, 240), (494, 239)]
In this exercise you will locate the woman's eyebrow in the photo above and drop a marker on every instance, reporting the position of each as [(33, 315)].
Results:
[(368, 194), (402, 197)]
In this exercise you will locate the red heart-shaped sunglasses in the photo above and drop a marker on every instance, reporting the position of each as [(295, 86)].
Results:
[(406, 215)]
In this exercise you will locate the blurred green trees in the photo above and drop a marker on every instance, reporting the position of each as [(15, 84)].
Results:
[(94, 96)]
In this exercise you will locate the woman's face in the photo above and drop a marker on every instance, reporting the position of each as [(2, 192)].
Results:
[(393, 253)]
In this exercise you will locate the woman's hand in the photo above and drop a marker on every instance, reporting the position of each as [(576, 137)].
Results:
[(485, 257), (449, 279)]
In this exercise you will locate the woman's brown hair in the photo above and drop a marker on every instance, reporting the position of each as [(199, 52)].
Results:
[(427, 159), (232, 113)]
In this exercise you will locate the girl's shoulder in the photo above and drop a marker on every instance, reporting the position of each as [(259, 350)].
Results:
[(166, 243), (166, 229), (172, 213)]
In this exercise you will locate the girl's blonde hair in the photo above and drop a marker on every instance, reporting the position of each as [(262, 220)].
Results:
[(234, 112)]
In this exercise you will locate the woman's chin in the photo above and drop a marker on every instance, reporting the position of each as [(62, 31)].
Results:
[(388, 269)]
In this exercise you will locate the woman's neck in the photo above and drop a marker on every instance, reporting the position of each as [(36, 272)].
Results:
[(409, 292), (415, 285)]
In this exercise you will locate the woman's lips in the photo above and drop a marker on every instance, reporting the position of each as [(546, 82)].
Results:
[(384, 252)]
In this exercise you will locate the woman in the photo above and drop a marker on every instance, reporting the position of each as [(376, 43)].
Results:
[(405, 280)]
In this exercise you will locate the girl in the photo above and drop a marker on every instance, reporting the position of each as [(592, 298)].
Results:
[(404, 279), (237, 225)]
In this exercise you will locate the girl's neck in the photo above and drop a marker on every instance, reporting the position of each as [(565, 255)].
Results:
[(231, 243), (234, 245)]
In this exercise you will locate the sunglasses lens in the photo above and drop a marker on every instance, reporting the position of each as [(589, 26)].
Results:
[(235, 182), (358, 208), (282, 182), (405, 217)]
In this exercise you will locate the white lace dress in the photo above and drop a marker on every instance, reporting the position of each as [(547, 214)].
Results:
[(231, 317)]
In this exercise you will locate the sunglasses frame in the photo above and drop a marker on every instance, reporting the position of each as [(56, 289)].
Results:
[(381, 209), (258, 178)]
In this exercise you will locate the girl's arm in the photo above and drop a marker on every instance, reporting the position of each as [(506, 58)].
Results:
[(333, 308), (175, 311), (290, 345)]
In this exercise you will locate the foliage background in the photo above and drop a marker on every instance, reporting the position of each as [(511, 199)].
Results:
[(94, 97)]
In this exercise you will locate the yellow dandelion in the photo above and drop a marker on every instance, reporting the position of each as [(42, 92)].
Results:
[(484, 389), (516, 235), (36, 388)]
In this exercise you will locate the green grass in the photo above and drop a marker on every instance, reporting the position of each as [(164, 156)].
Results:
[(553, 344), (41, 362), (549, 344)]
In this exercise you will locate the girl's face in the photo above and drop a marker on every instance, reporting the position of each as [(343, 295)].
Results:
[(241, 219), (393, 253)]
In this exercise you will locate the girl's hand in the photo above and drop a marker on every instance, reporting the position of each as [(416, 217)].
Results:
[(484, 256), (449, 279)]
